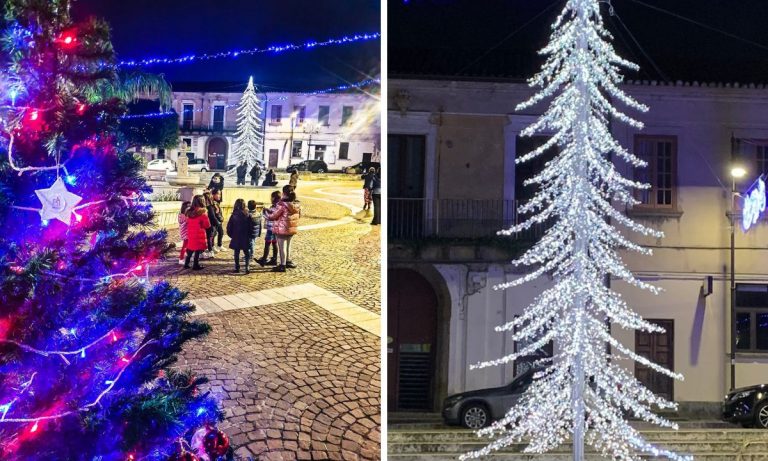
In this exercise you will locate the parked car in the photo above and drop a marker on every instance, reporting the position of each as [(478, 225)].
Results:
[(161, 164), (313, 166), (477, 409), (747, 406), (198, 165), (360, 168)]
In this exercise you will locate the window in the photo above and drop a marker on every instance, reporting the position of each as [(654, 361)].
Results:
[(218, 117), (751, 316), (319, 152), (752, 152), (661, 173), (160, 153), (296, 150), (276, 115), (323, 115), (344, 151), (524, 364), (301, 112), (346, 114), (188, 112)]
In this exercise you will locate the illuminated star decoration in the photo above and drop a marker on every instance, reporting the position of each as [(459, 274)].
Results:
[(57, 202)]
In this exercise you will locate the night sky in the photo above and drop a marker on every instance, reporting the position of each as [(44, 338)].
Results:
[(170, 28), (456, 37)]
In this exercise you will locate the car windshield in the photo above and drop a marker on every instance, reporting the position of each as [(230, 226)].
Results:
[(522, 380)]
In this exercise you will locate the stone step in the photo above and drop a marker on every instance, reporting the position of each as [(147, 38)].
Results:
[(757, 456), (682, 447), (683, 435)]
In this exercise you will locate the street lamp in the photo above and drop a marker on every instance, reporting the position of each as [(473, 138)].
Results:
[(311, 128), (737, 172)]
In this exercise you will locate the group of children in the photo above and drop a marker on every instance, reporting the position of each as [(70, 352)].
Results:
[(201, 222)]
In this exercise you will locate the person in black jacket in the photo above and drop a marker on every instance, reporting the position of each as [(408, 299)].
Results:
[(241, 170), (210, 232), (219, 229), (376, 195), (367, 180), (270, 179), (240, 230), (217, 183), (255, 174)]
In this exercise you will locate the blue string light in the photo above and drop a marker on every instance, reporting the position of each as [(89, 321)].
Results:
[(274, 49), (350, 86)]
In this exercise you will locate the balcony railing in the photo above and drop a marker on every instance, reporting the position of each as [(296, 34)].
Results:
[(207, 128), (415, 219)]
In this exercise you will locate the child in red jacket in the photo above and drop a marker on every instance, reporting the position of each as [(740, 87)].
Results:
[(197, 225)]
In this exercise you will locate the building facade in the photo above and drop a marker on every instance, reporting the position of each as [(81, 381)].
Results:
[(340, 128), (453, 182)]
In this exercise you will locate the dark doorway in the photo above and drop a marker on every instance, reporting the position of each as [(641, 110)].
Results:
[(273, 153), (411, 341), (659, 348), (367, 156), (217, 153)]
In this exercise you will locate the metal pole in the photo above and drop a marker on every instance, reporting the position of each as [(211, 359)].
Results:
[(733, 285)]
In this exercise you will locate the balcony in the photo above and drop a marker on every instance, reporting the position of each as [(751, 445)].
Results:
[(211, 128), (455, 219)]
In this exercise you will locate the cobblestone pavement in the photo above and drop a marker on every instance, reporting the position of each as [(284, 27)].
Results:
[(296, 382)]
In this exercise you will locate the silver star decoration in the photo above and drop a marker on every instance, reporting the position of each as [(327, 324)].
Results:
[(58, 202)]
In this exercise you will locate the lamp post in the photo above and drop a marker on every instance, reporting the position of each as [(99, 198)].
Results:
[(311, 128), (736, 173)]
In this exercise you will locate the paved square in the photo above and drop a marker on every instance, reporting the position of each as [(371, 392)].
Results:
[(294, 357)]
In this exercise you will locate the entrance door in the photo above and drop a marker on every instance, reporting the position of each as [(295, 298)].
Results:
[(217, 154), (411, 341), (273, 153), (367, 157), (660, 349)]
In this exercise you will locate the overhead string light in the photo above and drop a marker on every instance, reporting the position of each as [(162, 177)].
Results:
[(349, 86), (274, 49)]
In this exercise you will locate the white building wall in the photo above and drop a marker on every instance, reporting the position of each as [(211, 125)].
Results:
[(696, 243)]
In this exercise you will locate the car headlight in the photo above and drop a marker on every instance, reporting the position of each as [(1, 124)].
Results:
[(741, 395)]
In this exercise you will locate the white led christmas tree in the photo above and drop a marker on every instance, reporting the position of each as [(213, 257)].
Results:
[(585, 392), (249, 138)]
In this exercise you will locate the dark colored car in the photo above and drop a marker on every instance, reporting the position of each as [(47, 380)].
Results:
[(477, 409), (313, 166), (360, 168), (747, 406)]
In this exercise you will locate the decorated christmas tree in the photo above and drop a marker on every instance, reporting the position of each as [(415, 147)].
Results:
[(585, 391), (87, 340), (249, 139)]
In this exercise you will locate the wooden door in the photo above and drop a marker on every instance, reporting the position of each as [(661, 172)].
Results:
[(217, 154), (660, 349), (411, 341), (273, 158)]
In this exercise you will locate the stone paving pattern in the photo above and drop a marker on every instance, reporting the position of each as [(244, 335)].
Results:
[(294, 382)]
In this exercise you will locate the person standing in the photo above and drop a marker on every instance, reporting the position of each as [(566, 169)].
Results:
[(269, 238), (256, 217), (197, 227), (219, 229), (255, 174), (241, 170), (376, 196), (293, 181), (286, 225), (240, 230), (367, 181), (217, 183), (212, 223), (183, 231)]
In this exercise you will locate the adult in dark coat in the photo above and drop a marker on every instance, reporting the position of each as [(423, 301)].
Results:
[(241, 170), (240, 229), (367, 181), (376, 194), (270, 179), (217, 183), (255, 174)]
